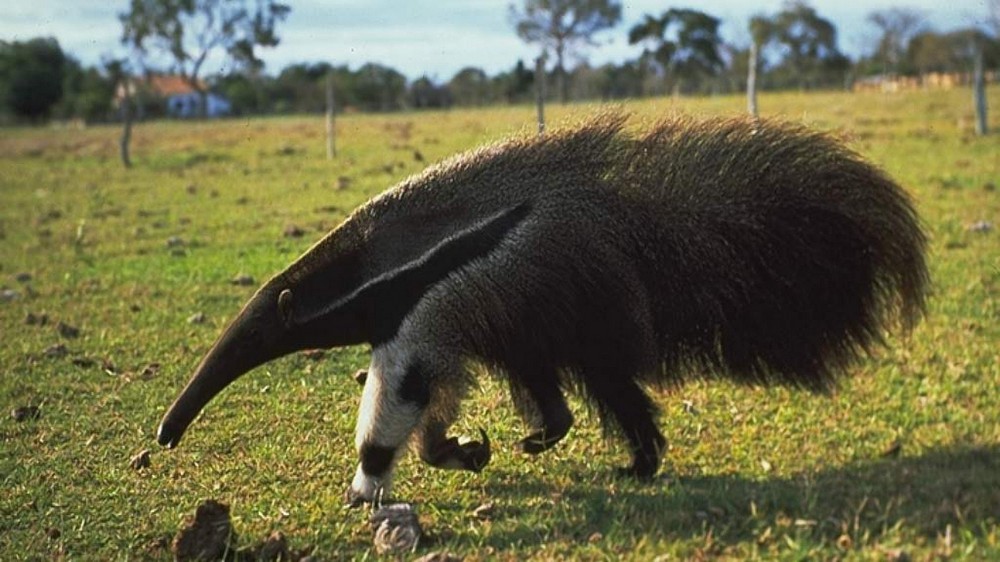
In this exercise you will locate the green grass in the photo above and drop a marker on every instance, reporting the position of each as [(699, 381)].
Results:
[(905, 457)]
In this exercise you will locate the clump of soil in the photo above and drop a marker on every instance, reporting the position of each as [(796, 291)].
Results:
[(242, 280), (67, 331), (397, 529), (33, 319), (55, 351), (293, 231), (209, 536), (26, 413), (273, 549)]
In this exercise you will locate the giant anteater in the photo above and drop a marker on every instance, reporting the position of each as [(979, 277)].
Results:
[(591, 259)]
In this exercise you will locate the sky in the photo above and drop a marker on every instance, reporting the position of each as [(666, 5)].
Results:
[(438, 38)]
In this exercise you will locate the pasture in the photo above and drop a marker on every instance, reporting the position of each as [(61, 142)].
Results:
[(116, 281)]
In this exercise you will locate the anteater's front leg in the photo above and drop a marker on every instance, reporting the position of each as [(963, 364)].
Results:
[(394, 399)]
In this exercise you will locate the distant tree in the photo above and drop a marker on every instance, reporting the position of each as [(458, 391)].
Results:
[(423, 93), (896, 27), (87, 93), (247, 93), (625, 81), (31, 76), (809, 44), (954, 51), (190, 31), (684, 42), (563, 25), (515, 85), (470, 86), (379, 88)]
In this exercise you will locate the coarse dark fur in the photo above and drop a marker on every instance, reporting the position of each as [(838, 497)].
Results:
[(600, 261)]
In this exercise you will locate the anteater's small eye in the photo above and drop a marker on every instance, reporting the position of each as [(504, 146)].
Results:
[(285, 308)]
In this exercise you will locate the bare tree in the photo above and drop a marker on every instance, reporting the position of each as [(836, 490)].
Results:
[(563, 25), (896, 26), (120, 76), (190, 31)]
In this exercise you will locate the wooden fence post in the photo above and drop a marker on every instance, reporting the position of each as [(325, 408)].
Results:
[(540, 92), (331, 144)]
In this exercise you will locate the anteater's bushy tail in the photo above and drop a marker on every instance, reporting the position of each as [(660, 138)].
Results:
[(781, 255)]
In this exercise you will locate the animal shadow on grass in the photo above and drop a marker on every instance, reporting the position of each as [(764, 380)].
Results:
[(925, 494)]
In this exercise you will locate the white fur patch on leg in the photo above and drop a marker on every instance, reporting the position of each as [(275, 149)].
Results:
[(385, 420)]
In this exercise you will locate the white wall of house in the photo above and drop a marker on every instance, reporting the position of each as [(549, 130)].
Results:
[(186, 105)]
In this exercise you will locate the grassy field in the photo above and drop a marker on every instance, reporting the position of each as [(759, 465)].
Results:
[(115, 282)]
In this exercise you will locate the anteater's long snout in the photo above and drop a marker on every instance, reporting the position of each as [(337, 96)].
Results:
[(249, 341), (219, 368)]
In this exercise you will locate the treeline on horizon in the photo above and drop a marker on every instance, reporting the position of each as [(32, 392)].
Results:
[(39, 81)]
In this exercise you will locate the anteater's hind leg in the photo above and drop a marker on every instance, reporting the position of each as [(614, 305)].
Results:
[(541, 403), (619, 397)]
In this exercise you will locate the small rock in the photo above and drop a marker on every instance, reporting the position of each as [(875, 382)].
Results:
[(208, 536), (175, 242), (196, 318), (140, 460), (67, 331), (484, 511), (26, 413), (980, 226), (397, 529), (439, 557), (8, 295), (55, 351), (293, 231), (242, 280), (22, 277), (595, 537)]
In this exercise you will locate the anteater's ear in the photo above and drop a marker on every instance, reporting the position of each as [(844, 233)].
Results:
[(285, 307)]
